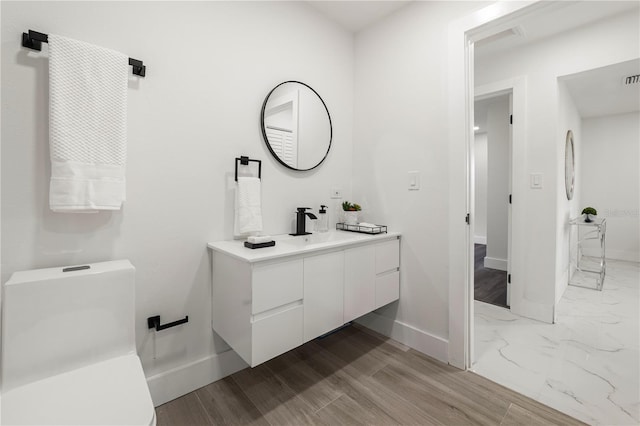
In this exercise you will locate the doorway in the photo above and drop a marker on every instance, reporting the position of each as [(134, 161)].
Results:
[(492, 166)]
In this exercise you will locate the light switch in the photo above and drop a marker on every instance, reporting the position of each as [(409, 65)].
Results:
[(414, 181), (536, 180), (336, 192)]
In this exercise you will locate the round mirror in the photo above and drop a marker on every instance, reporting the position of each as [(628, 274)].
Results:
[(569, 165), (296, 125)]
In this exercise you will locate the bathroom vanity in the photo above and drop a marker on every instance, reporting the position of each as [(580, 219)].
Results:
[(271, 300)]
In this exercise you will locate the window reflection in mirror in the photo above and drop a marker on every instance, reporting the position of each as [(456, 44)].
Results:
[(296, 125)]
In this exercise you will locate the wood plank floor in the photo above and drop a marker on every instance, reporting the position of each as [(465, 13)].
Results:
[(489, 285), (356, 377)]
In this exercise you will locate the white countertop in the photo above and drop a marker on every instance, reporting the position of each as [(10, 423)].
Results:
[(287, 245)]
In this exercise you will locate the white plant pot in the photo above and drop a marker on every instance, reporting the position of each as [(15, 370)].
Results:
[(351, 218)]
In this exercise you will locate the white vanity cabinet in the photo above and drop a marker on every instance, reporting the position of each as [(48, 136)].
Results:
[(269, 301)]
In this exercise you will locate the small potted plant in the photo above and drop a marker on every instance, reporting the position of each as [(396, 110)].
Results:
[(351, 212), (589, 214)]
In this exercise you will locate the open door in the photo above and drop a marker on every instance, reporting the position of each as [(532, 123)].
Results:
[(492, 189)]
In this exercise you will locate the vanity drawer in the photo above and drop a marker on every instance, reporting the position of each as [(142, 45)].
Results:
[(387, 256), (387, 288), (276, 284), (277, 334)]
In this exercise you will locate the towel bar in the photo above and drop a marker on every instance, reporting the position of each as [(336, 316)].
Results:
[(34, 39), (244, 160)]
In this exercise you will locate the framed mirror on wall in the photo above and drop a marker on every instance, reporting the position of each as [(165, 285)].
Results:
[(296, 126), (569, 165)]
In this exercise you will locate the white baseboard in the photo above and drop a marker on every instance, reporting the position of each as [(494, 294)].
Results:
[(495, 263), (174, 383), (479, 239), (628, 256), (420, 340), (537, 311)]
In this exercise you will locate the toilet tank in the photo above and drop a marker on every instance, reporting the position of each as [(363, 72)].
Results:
[(55, 321)]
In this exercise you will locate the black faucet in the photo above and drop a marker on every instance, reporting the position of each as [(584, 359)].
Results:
[(301, 219)]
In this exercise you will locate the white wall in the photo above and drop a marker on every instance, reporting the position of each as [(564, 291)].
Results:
[(611, 179), (568, 119), (401, 125), (498, 164), (605, 42), (209, 67), (480, 174)]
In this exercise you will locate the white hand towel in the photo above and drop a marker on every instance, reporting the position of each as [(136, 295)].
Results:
[(87, 126), (248, 215)]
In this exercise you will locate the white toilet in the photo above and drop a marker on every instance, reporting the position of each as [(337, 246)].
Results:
[(68, 348)]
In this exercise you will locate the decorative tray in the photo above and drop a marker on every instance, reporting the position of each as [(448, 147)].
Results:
[(377, 229)]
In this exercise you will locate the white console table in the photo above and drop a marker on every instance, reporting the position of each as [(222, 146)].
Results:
[(595, 266)]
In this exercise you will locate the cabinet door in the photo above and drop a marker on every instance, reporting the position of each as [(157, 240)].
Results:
[(323, 293), (276, 334), (387, 256), (387, 288), (276, 284), (359, 281)]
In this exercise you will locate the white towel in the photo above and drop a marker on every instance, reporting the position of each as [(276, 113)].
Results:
[(248, 214), (87, 126)]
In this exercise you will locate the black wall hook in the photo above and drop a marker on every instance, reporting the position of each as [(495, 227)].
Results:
[(154, 322)]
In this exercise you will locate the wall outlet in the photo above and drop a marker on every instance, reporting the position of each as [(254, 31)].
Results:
[(336, 193)]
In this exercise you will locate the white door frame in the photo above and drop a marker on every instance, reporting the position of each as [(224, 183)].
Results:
[(462, 35)]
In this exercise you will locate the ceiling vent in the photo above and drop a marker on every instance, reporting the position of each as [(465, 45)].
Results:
[(516, 31), (632, 79)]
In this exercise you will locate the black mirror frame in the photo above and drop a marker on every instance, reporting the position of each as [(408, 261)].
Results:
[(264, 133)]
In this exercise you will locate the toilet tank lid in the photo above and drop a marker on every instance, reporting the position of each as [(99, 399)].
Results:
[(77, 270)]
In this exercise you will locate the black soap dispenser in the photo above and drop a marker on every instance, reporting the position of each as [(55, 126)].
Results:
[(323, 220)]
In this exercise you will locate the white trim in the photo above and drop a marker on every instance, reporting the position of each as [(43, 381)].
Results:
[(495, 263), (434, 346), (461, 97), (171, 384), (479, 239)]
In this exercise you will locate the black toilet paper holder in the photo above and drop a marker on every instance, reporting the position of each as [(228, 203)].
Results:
[(154, 322)]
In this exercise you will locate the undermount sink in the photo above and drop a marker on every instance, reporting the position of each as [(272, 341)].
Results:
[(317, 238)]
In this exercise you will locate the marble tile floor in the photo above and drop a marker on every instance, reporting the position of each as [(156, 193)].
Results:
[(587, 365)]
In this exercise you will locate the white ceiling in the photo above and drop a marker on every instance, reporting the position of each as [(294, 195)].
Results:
[(602, 91), (597, 92), (554, 19), (355, 15)]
